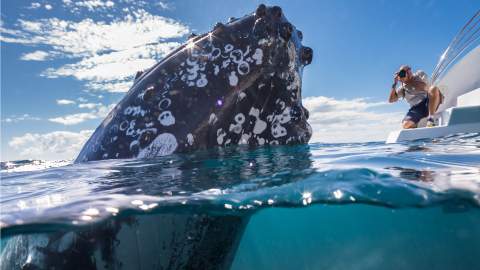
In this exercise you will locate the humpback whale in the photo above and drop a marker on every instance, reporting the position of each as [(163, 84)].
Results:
[(238, 84)]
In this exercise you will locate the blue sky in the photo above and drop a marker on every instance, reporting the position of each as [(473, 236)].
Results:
[(64, 63)]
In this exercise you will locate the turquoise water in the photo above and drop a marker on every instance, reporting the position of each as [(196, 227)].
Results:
[(317, 206)]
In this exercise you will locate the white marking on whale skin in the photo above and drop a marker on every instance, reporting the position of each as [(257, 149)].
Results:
[(228, 48), (269, 118), (213, 119), (202, 82), (262, 41), (245, 137), (133, 144), (236, 56), (216, 70), (258, 56), (134, 111), (241, 96), (243, 68), (284, 117), (151, 124), (225, 63), (274, 142), (281, 102), (247, 51), (237, 127), (164, 144), (278, 131), (104, 156), (240, 118), (233, 79), (164, 103), (261, 141), (190, 139), (215, 53), (260, 125), (220, 135), (290, 139), (166, 118), (131, 129)]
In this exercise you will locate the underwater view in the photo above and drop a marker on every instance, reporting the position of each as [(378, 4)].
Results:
[(315, 206)]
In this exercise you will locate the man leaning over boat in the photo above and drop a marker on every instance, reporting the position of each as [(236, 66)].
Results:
[(423, 98)]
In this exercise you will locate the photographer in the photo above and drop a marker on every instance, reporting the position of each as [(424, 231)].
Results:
[(416, 90)]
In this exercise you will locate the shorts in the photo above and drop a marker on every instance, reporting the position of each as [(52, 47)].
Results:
[(417, 112)]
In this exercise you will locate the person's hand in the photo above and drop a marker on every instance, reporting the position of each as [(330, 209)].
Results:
[(395, 79)]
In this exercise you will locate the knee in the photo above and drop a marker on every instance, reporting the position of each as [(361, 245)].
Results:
[(433, 91), (408, 124)]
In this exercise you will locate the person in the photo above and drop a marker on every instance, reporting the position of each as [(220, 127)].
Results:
[(416, 90)]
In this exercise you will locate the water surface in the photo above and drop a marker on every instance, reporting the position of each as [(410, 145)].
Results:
[(317, 206)]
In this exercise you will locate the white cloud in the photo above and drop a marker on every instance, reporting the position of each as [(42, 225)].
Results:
[(35, 56), (89, 105), (101, 52), (110, 71), (100, 111), (34, 5), (65, 102), (95, 4), (163, 5), (48, 7), (54, 145), (16, 119), (73, 119), (116, 86), (353, 120)]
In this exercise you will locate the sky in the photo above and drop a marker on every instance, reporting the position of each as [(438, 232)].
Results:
[(66, 63)]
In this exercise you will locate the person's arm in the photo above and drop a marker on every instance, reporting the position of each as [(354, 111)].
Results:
[(393, 92)]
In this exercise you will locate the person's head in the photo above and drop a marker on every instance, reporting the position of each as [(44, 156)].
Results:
[(404, 73)]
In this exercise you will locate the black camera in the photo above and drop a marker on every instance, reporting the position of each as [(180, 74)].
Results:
[(402, 73)]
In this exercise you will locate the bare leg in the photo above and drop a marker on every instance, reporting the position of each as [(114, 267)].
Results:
[(433, 100), (408, 124)]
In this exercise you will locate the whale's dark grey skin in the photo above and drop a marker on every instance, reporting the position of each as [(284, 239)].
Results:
[(238, 84)]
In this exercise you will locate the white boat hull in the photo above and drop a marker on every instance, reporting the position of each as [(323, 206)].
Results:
[(456, 120)]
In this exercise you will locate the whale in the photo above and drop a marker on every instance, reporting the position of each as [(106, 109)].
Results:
[(239, 84)]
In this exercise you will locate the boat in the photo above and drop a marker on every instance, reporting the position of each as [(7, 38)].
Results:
[(457, 75)]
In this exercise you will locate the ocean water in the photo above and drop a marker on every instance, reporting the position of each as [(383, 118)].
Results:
[(318, 206)]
